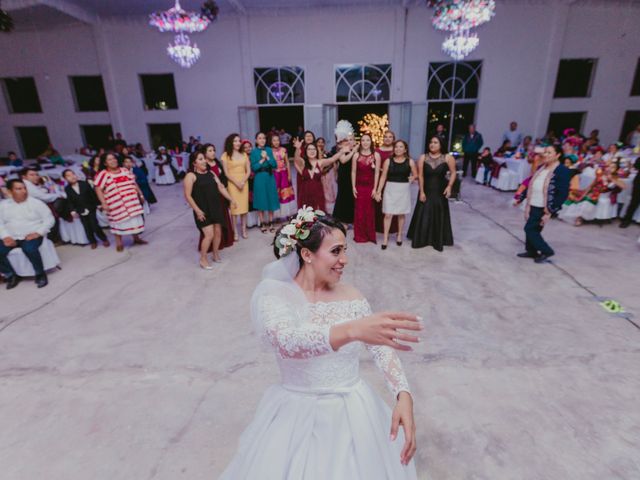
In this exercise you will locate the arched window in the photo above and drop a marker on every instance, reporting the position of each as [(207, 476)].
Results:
[(452, 93), (363, 83), (278, 86)]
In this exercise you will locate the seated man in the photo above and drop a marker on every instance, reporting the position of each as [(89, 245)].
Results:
[(14, 161), (83, 202), (24, 221), (56, 201)]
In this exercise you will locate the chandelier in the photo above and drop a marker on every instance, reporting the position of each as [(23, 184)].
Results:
[(178, 20), (459, 17), (182, 52), (459, 45)]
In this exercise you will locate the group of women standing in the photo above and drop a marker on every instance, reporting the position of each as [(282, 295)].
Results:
[(367, 187)]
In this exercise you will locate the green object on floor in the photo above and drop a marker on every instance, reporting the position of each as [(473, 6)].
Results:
[(612, 306)]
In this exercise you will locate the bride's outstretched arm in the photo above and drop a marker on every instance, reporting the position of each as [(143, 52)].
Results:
[(306, 340)]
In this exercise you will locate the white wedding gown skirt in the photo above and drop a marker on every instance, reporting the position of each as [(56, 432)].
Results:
[(336, 434), (322, 422)]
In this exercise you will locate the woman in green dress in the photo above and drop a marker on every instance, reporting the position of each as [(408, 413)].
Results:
[(265, 191)]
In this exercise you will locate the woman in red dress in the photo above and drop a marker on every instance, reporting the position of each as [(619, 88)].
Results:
[(309, 169), (365, 171), (216, 167)]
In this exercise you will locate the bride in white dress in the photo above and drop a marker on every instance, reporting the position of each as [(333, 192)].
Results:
[(323, 422)]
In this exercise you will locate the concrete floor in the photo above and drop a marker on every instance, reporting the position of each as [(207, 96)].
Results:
[(140, 365)]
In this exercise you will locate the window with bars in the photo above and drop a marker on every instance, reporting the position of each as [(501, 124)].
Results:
[(279, 85), (363, 83), (454, 80)]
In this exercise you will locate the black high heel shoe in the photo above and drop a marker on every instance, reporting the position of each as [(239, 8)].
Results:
[(383, 247), (399, 243)]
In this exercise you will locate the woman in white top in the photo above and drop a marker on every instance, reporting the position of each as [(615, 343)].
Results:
[(545, 195)]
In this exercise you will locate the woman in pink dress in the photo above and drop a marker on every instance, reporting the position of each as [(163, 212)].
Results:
[(283, 177), (329, 178), (309, 168), (365, 171)]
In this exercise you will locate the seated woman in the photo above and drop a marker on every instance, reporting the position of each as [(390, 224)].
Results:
[(595, 202), (486, 160)]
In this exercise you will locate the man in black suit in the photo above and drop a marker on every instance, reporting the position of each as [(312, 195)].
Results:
[(84, 202)]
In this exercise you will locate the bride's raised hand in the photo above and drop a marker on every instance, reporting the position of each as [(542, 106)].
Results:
[(385, 329), (403, 415)]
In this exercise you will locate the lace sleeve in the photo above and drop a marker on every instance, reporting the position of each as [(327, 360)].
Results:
[(289, 340), (389, 364)]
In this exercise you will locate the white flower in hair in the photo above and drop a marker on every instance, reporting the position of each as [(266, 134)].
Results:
[(343, 130), (298, 229)]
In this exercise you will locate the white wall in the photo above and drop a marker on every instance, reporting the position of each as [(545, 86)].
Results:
[(520, 49)]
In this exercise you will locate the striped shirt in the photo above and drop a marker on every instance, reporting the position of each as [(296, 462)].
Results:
[(120, 194)]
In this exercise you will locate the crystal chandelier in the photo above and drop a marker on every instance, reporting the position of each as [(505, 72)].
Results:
[(178, 20), (456, 15), (182, 52), (459, 17), (459, 45)]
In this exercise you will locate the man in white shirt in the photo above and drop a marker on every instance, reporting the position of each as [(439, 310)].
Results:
[(24, 222), (513, 135), (57, 201)]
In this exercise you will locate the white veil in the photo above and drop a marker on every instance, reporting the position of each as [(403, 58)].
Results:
[(278, 282)]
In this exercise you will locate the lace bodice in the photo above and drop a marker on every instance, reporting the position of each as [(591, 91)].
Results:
[(305, 356)]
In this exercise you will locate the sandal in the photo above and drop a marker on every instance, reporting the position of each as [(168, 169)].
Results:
[(272, 227), (244, 234), (263, 228), (235, 236)]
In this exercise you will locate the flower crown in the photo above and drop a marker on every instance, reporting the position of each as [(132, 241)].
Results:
[(297, 229)]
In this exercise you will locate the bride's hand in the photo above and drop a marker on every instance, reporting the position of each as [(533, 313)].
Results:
[(403, 415), (384, 329)]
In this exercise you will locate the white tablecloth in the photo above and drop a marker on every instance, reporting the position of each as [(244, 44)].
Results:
[(7, 170), (56, 172), (520, 167)]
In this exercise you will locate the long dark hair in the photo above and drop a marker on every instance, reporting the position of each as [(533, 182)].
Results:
[(192, 158), (442, 152), (321, 228), (372, 147), (222, 176), (103, 160), (305, 157), (228, 144), (406, 148)]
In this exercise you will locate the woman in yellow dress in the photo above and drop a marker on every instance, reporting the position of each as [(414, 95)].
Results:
[(237, 169)]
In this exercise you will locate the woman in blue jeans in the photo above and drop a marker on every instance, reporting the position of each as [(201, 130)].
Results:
[(547, 191)]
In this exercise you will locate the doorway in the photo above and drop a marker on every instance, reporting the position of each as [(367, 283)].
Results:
[(356, 112), (281, 117), (455, 117)]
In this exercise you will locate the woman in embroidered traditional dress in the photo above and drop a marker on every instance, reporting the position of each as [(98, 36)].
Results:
[(323, 421), (283, 177), (365, 172), (121, 200), (164, 174)]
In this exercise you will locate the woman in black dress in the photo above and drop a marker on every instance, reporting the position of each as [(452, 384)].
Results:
[(202, 190), (431, 222), (345, 203)]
